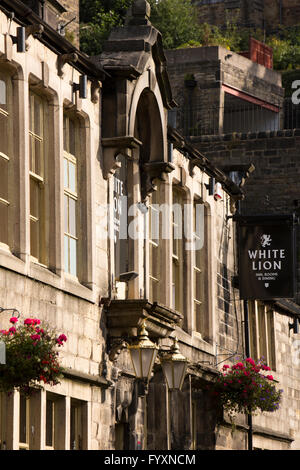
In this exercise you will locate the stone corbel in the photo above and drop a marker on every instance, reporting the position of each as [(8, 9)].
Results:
[(95, 87), (34, 30), (116, 347), (152, 171), (63, 59), (114, 146)]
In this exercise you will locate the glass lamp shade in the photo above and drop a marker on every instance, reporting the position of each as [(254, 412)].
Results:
[(174, 366), (143, 355)]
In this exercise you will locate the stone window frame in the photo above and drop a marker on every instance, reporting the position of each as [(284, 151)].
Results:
[(6, 158), (262, 332), (78, 424), (197, 270), (38, 177), (84, 229), (178, 266), (154, 245), (70, 158), (207, 333)]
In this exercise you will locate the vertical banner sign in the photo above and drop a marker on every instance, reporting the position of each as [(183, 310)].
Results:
[(267, 257), (120, 210)]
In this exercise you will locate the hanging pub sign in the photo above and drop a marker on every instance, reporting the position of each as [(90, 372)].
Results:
[(266, 257)]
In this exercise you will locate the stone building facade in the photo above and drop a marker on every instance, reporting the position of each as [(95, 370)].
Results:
[(262, 14), (219, 92), (64, 260)]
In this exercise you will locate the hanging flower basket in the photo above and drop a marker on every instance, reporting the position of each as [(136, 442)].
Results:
[(247, 387), (31, 356)]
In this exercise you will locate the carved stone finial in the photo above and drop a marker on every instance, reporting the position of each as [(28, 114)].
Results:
[(139, 13), (141, 8)]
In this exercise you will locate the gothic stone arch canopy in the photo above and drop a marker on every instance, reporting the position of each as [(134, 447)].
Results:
[(128, 49)]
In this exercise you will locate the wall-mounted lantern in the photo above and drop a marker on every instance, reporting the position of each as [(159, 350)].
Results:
[(143, 354), (174, 366)]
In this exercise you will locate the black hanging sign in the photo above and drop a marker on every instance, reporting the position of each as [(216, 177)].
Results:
[(266, 257)]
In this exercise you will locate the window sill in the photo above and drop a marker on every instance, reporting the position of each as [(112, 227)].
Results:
[(39, 272), (195, 341), (10, 261)]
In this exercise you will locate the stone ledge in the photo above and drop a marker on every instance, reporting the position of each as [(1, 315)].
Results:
[(87, 378)]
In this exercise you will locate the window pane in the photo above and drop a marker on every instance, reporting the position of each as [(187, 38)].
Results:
[(271, 340), (49, 422), (199, 317), (3, 223), (23, 419), (38, 157), (38, 129), (66, 212), (73, 260), (4, 134), (34, 198), (262, 331), (66, 253), (72, 177), (66, 179), (65, 143), (71, 137), (252, 330), (72, 217), (76, 427), (4, 178), (2, 94), (34, 238)]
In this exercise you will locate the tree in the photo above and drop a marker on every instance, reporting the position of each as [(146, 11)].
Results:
[(97, 19), (176, 20)]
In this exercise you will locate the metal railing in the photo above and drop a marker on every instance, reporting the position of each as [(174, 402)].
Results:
[(197, 120)]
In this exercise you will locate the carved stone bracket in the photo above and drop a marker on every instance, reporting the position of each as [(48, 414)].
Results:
[(114, 146), (152, 171), (63, 59), (35, 30), (95, 87)]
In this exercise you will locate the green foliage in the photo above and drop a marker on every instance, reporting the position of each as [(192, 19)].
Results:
[(286, 54), (31, 356), (97, 19), (178, 23), (176, 20)]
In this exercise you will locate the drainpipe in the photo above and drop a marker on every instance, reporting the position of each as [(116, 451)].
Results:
[(247, 350)]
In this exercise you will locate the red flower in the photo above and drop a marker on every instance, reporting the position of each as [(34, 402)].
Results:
[(270, 377), (35, 337), (13, 320), (12, 330), (251, 361)]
